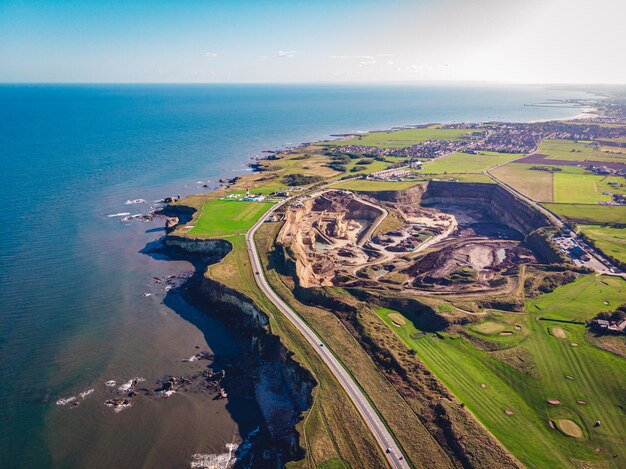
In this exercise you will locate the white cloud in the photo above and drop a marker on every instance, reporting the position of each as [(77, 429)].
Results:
[(365, 57), (211, 54), (289, 54)]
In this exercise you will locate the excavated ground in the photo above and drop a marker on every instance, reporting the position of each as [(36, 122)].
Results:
[(339, 238)]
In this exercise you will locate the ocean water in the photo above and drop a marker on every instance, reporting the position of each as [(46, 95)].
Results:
[(73, 309)]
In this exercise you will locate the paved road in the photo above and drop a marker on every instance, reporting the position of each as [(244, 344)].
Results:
[(371, 418)]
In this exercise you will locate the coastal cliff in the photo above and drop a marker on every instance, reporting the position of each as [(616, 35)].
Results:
[(281, 387)]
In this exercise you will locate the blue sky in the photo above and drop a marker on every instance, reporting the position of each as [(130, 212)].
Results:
[(531, 41)]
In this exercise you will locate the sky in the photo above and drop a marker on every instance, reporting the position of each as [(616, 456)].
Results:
[(513, 41)]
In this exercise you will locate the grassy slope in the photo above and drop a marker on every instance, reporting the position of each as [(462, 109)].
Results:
[(589, 214), (332, 430), (610, 240), (599, 379), (219, 218), (582, 299), (402, 138)]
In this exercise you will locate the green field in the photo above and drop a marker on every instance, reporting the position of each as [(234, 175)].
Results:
[(578, 189), (537, 185), (578, 151), (466, 163), (530, 368), (611, 240), (582, 299), (401, 138), (363, 185), (219, 218), (589, 214)]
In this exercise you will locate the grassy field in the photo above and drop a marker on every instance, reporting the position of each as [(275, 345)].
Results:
[(466, 163), (362, 185), (578, 151), (611, 240), (578, 189), (537, 185), (508, 389), (401, 138), (219, 218), (589, 214), (582, 299)]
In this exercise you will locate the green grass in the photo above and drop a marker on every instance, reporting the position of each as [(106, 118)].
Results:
[(599, 378), (362, 185), (589, 214), (219, 218), (537, 185), (402, 138), (578, 189), (582, 299), (577, 151), (611, 240), (466, 163)]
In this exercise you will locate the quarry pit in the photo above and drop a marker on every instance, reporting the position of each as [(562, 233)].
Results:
[(430, 239)]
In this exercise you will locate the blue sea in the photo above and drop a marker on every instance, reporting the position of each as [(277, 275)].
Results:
[(78, 302)]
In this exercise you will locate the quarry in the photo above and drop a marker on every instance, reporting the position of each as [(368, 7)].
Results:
[(429, 239)]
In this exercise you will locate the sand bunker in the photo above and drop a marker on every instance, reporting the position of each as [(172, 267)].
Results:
[(508, 412), (569, 428), (518, 327), (569, 376), (483, 385), (397, 319), (581, 402), (558, 333), (554, 401), (506, 333), (574, 344)]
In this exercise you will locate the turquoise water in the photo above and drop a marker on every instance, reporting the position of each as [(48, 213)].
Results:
[(72, 308)]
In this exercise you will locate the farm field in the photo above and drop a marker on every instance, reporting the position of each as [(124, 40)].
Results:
[(611, 240), (589, 214), (508, 390), (466, 163), (578, 151), (227, 217), (578, 188), (401, 138), (374, 186), (537, 185)]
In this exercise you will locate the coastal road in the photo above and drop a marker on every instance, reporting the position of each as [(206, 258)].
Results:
[(386, 442)]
